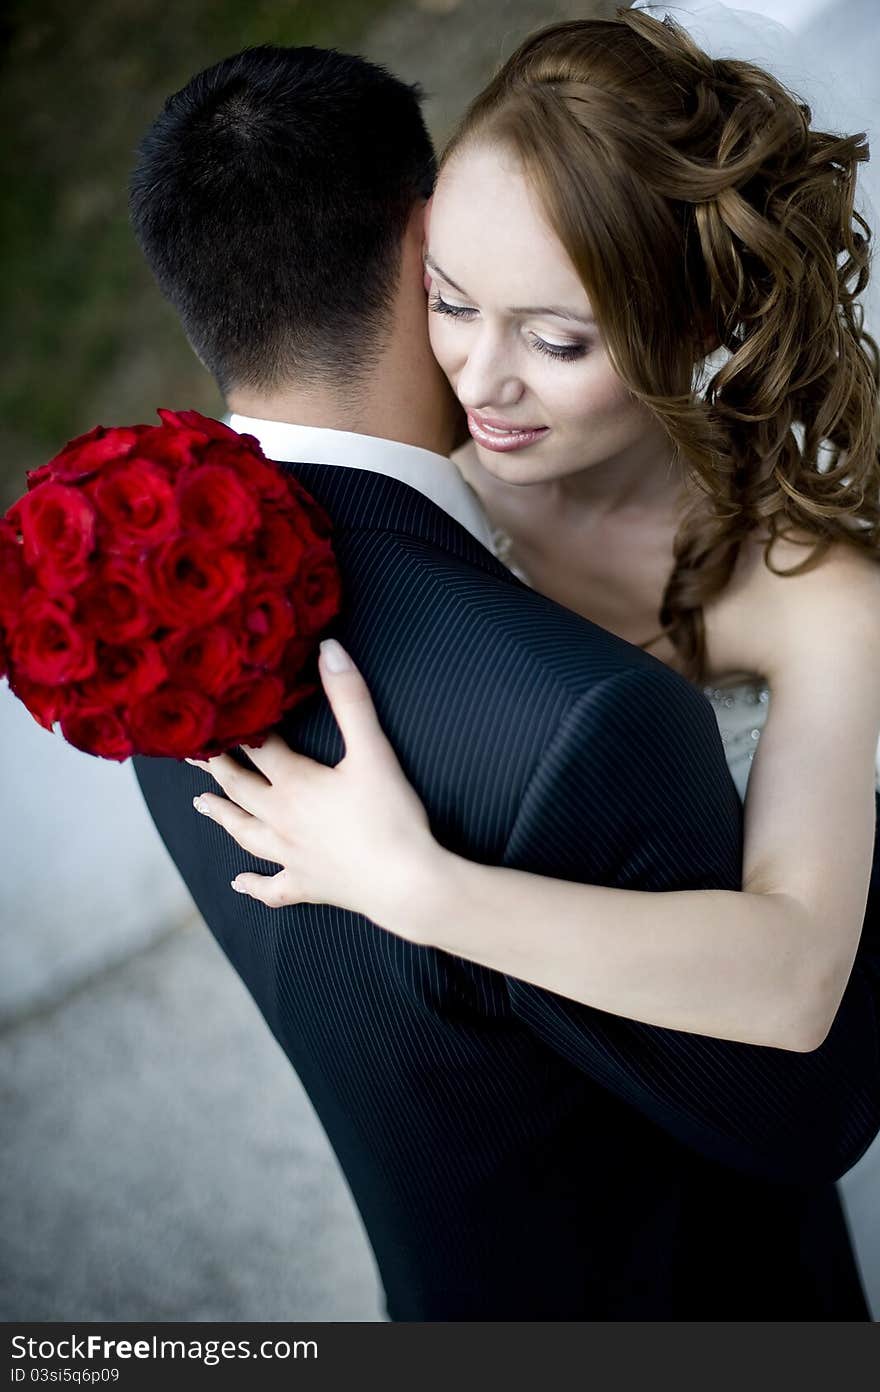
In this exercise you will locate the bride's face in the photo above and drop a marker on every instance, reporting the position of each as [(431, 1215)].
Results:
[(512, 327)]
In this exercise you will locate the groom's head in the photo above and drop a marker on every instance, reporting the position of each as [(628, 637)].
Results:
[(271, 198)]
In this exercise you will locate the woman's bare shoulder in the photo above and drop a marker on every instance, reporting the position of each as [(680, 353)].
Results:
[(767, 613), (843, 574)]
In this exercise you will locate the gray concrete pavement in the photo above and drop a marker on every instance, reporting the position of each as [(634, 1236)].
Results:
[(86, 878), (161, 1161)]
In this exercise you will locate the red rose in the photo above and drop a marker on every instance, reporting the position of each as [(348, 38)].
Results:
[(297, 695), (318, 590), (125, 672), (260, 476), (35, 477), (208, 659), (58, 525), (191, 582), (298, 670), (160, 589), (307, 512), (45, 703), (251, 707), (206, 425), (88, 453), (13, 573), (267, 621), (97, 731), (213, 500), (209, 441), (47, 645), (275, 551), (174, 721), (111, 604), (136, 503), (172, 450)]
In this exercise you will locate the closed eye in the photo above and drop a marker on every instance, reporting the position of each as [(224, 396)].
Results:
[(556, 350), (441, 306), (563, 353)]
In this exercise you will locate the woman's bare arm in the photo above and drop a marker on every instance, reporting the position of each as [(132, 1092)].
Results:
[(764, 965)]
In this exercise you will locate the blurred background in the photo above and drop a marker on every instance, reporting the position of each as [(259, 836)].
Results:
[(158, 1158)]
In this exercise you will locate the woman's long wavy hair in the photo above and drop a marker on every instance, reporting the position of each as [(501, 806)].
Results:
[(700, 209)]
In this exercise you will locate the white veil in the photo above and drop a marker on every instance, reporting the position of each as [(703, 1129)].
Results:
[(831, 64)]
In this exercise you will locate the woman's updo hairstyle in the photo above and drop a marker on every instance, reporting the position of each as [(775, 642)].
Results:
[(699, 210)]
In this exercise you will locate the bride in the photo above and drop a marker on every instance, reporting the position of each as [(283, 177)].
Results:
[(616, 207)]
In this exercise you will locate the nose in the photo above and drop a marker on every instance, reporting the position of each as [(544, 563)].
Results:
[(488, 377)]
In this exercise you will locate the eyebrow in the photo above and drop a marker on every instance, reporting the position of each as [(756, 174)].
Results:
[(556, 310)]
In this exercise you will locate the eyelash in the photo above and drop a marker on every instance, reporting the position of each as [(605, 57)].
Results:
[(440, 306)]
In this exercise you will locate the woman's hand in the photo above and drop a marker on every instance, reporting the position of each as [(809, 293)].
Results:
[(355, 835)]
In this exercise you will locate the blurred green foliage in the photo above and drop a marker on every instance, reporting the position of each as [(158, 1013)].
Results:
[(85, 335)]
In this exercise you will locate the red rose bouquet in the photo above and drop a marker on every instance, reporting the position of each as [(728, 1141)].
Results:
[(161, 590)]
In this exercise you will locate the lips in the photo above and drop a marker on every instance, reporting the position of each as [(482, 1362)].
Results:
[(495, 434)]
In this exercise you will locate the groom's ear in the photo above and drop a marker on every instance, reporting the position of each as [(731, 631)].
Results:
[(421, 217), (417, 223), (426, 224)]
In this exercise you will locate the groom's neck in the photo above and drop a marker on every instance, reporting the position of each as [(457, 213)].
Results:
[(404, 396), (399, 402)]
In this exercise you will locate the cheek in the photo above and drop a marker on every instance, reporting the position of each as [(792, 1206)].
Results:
[(594, 397), (566, 392)]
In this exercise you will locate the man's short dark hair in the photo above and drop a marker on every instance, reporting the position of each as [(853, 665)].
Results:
[(270, 197)]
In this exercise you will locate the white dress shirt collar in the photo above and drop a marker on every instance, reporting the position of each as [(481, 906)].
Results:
[(433, 475)]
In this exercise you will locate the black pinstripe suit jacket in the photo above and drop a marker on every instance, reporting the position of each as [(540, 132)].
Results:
[(514, 1154)]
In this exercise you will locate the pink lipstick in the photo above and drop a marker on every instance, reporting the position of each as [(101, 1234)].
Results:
[(500, 435)]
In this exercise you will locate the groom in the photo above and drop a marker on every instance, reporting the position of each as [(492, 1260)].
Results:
[(513, 1155)]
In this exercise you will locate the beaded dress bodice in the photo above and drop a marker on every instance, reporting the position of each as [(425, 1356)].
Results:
[(740, 709)]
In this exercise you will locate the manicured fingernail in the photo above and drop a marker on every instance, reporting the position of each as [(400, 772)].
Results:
[(200, 806), (335, 656), (237, 887)]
